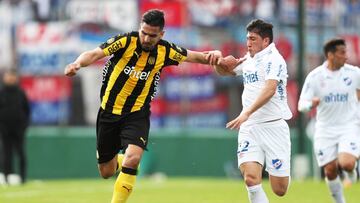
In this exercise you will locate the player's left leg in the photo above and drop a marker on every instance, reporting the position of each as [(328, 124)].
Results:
[(348, 153), (126, 179), (279, 185), (134, 137), (277, 147), (348, 162)]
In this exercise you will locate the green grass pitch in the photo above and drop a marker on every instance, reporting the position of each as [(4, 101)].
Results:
[(171, 190)]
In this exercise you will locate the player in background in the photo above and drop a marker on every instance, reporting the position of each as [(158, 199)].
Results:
[(332, 88), (264, 136), (130, 80)]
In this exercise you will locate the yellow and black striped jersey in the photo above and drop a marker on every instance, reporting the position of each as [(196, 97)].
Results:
[(131, 75)]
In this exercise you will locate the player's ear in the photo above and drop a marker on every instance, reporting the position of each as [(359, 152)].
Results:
[(266, 41), (162, 33)]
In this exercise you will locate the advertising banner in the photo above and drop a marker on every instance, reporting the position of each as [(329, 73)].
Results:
[(6, 53), (49, 98), (122, 15), (176, 14), (45, 49), (324, 12)]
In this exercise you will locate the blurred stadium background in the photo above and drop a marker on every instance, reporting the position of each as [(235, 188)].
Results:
[(39, 37)]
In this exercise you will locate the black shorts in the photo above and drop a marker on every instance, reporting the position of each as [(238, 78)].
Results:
[(116, 132)]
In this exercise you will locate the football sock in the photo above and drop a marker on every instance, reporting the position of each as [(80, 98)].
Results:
[(336, 190), (256, 194), (124, 185), (120, 159)]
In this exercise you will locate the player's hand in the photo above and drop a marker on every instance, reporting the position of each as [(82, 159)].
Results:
[(229, 63), (71, 69), (213, 57), (315, 102), (236, 123)]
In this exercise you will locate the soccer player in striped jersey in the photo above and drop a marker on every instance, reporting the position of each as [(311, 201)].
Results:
[(332, 89), (130, 80)]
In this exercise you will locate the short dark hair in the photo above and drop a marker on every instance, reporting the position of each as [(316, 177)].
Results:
[(331, 45), (261, 28), (154, 17)]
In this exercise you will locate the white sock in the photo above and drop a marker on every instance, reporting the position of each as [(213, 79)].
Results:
[(336, 189), (256, 194)]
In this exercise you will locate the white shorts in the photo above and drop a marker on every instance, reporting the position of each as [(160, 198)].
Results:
[(327, 148), (269, 142)]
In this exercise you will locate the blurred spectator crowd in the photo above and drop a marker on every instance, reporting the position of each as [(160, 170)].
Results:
[(39, 37)]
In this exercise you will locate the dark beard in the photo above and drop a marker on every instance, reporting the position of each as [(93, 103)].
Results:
[(147, 49)]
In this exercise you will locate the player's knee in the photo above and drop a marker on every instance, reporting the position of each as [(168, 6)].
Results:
[(330, 171), (330, 174), (280, 191), (347, 166), (106, 172), (132, 160), (251, 180)]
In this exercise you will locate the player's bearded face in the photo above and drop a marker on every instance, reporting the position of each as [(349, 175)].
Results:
[(255, 43), (149, 36)]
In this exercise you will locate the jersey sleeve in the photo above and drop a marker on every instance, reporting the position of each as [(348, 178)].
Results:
[(307, 94), (114, 44), (358, 78), (308, 90), (276, 69), (176, 54)]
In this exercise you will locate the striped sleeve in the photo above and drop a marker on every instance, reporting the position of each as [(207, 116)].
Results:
[(175, 55), (114, 44)]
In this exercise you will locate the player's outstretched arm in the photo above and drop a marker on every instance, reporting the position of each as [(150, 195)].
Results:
[(86, 58), (227, 65), (207, 57)]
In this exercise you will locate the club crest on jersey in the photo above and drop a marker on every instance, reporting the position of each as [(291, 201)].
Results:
[(353, 145), (111, 40), (347, 81), (277, 163)]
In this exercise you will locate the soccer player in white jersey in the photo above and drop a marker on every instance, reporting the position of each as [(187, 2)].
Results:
[(332, 88), (264, 136)]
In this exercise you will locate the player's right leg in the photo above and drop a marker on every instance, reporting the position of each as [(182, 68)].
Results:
[(108, 143), (252, 174), (250, 161)]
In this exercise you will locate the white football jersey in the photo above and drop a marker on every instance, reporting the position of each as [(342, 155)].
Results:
[(338, 106), (358, 112), (265, 65)]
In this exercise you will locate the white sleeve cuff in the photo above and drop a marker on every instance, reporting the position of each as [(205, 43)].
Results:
[(304, 105)]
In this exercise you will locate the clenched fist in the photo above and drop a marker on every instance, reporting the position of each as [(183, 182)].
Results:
[(71, 69)]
